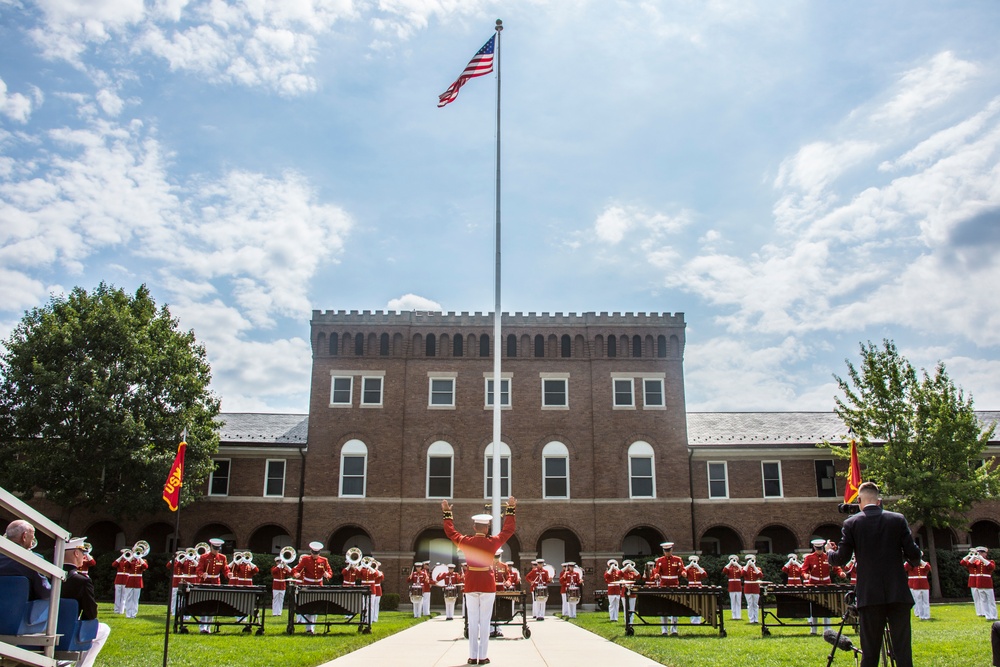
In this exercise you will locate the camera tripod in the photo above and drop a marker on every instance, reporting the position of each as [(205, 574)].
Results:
[(845, 644)]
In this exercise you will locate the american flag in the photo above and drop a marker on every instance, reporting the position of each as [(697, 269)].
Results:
[(481, 63)]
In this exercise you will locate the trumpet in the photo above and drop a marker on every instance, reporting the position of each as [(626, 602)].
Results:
[(191, 554), (140, 549), (127, 554), (87, 548), (287, 555), (354, 557)]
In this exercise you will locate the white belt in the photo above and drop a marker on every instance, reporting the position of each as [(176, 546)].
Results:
[(735, 580)]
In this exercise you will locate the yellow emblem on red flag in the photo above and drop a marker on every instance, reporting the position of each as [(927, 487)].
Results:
[(853, 476), (172, 488)]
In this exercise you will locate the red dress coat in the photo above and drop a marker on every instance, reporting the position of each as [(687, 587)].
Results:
[(479, 550)]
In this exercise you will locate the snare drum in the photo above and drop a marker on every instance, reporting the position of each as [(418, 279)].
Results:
[(572, 594), (451, 593), (416, 593), (541, 592)]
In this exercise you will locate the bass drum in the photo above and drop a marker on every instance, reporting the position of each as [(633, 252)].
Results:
[(572, 594), (417, 594), (438, 570)]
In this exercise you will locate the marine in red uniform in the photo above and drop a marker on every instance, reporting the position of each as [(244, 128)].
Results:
[(242, 571), (501, 573), (419, 576), (451, 581), (480, 587), (88, 562), (792, 570), (629, 574), (695, 574), (538, 580), (312, 570), (612, 579), (134, 567), (668, 571), (816, 572), (513, 577), (751, 588), (121, 578), (280, 574), (980, 569), (920, 587), (734, 576), (212, 566), (567, 578)]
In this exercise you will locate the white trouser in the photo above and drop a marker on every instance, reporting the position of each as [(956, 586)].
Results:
[(736, 605), (479, 609), (812, 622), (309, 620), (572, 608), (277, 602), (449, 608), (977, 601), (753, 606), (426, 610), (120, 595), (614, 602), (131, 602), (417, 608), (537, 608), (103, 630), (669, 624), (565, 605), (987, 602), (921, 603), (173, 600), (376, 600)]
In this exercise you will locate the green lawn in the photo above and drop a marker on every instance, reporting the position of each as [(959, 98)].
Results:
[(138, 642), (954, 637)]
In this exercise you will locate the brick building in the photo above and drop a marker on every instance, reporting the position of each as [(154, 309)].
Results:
[(597, 446)]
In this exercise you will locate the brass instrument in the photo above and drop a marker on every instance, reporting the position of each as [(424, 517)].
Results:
[(367, 561), (202, 548), (191, 555), (87, 548), (127, 554), (353, 557), (287, 555), (140, 549)]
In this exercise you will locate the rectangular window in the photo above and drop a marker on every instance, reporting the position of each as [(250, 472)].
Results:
[(504, 392), (274, 482), (555, 393), (718, 479), (641, 477), (826, 479), (556, 477), (218, 481), (504, 477), (371, 391), (652, 393), (623, 394), (439, 477), (442, 393), (341, 391), (771, 472), (353, 476)]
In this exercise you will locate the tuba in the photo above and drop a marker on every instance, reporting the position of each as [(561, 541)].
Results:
[(191, 555), (140, 549), (287, 555), (367, 561), (202, 548), (354, 557), (87, 548)]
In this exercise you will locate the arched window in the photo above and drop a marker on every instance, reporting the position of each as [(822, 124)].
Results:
[(636, 346), (353, 469), (642, 481), (484, 346), (440, 457), (457, 346), (383, 345), (661, 346), (334, 344), (566, 346), (511, 346), (431, 345), (359, 345), (504, 471), (612, 346), (539, 345), (555, 470)]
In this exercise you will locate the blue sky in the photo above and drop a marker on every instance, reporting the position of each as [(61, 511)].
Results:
[(795, 177)]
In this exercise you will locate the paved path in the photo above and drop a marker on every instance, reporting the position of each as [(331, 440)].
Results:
[(440, 643)]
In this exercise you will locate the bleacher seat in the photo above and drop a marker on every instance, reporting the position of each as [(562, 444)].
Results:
[(14, 593)]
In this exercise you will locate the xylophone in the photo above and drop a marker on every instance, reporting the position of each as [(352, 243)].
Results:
[(704, 601), (339, 605), (803, 602), (243, 604)]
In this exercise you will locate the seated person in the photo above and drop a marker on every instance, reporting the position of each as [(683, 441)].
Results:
[(22, 533), (79, 587)]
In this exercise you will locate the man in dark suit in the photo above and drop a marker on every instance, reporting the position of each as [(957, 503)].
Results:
[(79, 587), (879, 540), (22, 533)]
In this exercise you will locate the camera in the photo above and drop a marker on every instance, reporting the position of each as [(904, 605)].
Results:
[(848, 508)]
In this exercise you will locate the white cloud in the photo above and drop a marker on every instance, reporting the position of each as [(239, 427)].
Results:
[(413, 302), (15, 106), (921, 89)]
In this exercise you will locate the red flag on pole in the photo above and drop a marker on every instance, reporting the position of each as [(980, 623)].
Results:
[(853, 476), (172, 488)]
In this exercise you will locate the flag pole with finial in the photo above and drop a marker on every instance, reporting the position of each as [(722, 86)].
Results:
[(497, 313)]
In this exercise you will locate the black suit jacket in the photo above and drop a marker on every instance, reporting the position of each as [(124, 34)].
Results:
[(79, 587), (880, 541)]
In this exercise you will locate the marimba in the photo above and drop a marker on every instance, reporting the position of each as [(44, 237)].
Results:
[(338, 605), (244, 605), (797, 602), (506, 606), (704, 601)]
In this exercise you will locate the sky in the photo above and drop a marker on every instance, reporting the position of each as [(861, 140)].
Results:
[(797, 178)]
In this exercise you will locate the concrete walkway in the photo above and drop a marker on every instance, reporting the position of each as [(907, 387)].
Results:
[(440, 643)]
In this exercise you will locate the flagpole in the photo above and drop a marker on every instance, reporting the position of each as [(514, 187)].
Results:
[(496, 318), (177, 541)]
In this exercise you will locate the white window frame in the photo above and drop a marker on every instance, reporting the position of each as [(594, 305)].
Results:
[(763, 481), (488, 470), (725, 470), (641, 449), (350, 391), (555, 377), (441, 377), (555, 450), (353, 449), (631, 394), (645, 394), (267, 477), (381, 389), (229, 477), (504, 389), (440, 450)]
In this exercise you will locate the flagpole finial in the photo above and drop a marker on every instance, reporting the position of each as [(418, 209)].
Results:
[(499, 25)]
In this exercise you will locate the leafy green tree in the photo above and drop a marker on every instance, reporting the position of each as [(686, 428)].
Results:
[(919, 440), (95, 392)]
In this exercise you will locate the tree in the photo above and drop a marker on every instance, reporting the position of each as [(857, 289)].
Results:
[(919, 440), (95, 392)]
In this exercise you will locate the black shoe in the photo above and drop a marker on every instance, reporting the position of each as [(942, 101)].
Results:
[(472, 661), (484, 661)]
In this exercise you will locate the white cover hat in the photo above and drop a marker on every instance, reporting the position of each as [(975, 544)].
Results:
[(216, 542), (667, 545), (482, 518), (75, 543), (818, 542), (315, 546)]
